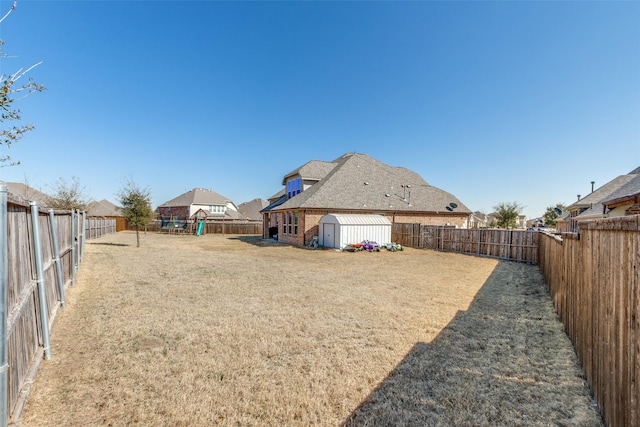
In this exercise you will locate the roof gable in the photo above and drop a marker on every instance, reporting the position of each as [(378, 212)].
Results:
[(197, 196), (314, 170), (251, 210), (103, 208)]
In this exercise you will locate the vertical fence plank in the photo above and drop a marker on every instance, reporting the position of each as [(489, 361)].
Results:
[(25, 340), (594, 281)]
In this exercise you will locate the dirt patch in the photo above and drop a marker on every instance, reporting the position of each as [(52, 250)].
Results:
[(233, 330)]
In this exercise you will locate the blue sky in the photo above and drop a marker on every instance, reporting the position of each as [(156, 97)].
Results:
[(492, 101)]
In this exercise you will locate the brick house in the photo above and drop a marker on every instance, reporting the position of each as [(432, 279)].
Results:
[(355, 184), (615, 198), (187, 204), (106, 209)]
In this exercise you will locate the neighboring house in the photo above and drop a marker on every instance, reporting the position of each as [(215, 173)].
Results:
[(478, 220), (22, 193), (625, 200), (186, 205), (615, 194), (250, 211), (535, 222), (356, 184), (106, 209)]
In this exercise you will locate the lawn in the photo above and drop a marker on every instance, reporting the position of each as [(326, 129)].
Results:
[(234, 330)]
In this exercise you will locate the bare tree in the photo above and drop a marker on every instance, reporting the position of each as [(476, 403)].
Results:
[(9, 88), (68, 196)]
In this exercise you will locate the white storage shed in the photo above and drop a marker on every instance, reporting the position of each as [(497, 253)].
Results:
[(339, 230)]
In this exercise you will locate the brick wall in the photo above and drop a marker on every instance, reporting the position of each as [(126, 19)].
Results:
[(309, 219)]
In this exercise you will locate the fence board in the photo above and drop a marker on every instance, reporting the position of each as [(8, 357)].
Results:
[(594, 282), (515, 245), (24, 336)]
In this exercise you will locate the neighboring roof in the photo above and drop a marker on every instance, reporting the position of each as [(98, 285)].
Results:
[(23, 193), (251, 210), (628, 190), (103, 208), (280, 200), (358, 181), (355, 219), (619, 187), (314, 170), (197, 196)]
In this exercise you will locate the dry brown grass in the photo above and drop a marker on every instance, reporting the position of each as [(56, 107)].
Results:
[(229, 330)]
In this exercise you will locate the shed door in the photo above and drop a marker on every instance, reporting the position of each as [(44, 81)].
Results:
[(328, 233)]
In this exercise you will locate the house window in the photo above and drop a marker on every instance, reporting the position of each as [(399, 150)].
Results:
[(290, 223), (293, 187), (295, 223), (284, 223)]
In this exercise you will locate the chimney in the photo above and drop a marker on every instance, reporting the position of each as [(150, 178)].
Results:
[(592, 182), (578, 197)]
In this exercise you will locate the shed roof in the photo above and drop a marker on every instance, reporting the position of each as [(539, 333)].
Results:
[(356, 219)]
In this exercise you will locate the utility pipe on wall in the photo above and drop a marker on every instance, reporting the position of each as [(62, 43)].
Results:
[(4, 280), (56, 256), (42, 292)]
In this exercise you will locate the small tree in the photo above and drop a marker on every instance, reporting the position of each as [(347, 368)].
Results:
[(8, 87), (552, 213), (68, 196), (136, 206), (507, 214)]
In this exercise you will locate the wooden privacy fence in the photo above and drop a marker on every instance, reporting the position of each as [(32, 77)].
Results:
[(98, 226), (41, 252), (512, 245), (211, 227), (594, 281)]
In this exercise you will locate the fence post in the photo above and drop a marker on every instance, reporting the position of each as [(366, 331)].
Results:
[(83, 236), (73, 247), (56, 256), (42, 292), (4, 280)]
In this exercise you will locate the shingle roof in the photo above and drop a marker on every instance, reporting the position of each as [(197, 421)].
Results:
[(631, 188), (621, 186), (198, 196), (314, 170), (251, 210), (23, 193), (103, 208), (360, 182)]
